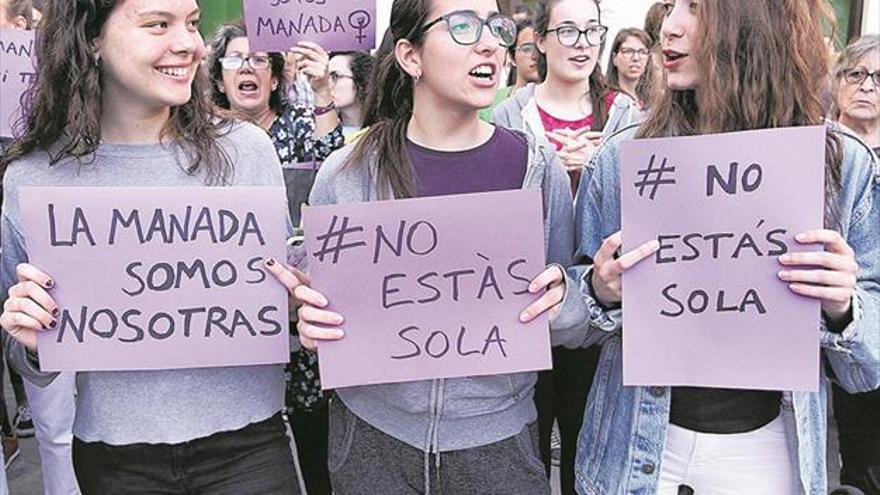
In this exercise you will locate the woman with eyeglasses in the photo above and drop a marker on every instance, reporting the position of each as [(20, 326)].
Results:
[(524, 66), (856, 94), (349, 81), (686, 440), (573, 108), (252, 85), (630, 56), (458, 435)]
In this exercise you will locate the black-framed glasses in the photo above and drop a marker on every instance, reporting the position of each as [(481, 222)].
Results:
[(570, 35), (857, 76), (632, 52), (255, 62), (466, 27), (335, 77), (527, 48)]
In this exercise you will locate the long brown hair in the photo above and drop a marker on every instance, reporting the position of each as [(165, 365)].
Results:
[(644, 87), (763, 65), (598, 88), (389, 105), (64, 105)]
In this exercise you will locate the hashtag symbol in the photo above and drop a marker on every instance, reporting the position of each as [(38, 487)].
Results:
[(654, 177), (333, 241)]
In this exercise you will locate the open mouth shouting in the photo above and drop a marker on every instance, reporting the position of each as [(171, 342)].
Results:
[(484, 75)]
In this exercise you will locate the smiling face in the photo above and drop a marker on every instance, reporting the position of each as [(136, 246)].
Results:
[(247, 89), (149, 53), (456, 75), (860, 101), (631, 59), (678, 38), (570, 64)]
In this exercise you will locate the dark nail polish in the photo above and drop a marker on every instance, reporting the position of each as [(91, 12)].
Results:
[(53, 324), (270, 262), (50, 283), (55, 312)]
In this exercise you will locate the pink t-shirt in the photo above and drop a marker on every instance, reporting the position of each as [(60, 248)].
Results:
[(552, 123)]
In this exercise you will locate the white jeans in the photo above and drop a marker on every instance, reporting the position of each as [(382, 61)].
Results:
[(53, 409), (759, 462)]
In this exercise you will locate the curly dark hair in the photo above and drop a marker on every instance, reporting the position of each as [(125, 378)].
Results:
[(361, 66), (64, 105), (221, 39)]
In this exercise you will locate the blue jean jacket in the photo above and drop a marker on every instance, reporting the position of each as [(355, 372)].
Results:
[(624, 432)]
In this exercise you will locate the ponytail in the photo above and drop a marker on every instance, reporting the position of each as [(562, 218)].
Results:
[(389, 106)]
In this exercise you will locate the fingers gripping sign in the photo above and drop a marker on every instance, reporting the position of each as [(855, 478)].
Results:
[(607, 271), (315, 322), (29, 308)]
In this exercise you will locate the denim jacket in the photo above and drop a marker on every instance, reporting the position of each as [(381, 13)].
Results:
[(624, 432)]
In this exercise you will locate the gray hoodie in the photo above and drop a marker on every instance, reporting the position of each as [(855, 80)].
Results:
[(458, 413)]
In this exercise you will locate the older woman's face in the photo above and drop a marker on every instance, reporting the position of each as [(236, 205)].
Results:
[(858, 95), (247, 87)]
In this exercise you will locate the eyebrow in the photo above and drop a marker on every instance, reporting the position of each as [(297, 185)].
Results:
[(166, 14), (573, 23)]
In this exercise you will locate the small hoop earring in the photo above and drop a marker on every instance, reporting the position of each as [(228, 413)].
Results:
[(416, 78)]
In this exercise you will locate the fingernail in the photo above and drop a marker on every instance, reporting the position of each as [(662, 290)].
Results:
[(53, 324), (524, 317), (785, 258), (55, 312), (783, 274), (270, 262), (50, 283), (340, 334), (801, 237), (338, 320), (532, 288)]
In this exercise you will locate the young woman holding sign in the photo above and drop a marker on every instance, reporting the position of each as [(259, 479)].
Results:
[(571, 108), (462, 435), (732, 67), (121, 102)]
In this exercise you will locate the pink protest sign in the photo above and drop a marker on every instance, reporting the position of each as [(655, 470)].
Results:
[(17, 58), (336, 25), (709, 309), (159, 278), (429, 287)]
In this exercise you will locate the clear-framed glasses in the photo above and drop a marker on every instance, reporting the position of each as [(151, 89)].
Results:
[(255, 62), (527, 48), (570, 35), (335, 77), (857, 76), (632, 52), (466, 27)]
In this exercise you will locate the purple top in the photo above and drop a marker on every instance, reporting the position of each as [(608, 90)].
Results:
[(498, 164)]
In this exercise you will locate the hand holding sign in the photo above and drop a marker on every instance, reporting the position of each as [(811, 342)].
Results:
[(833, 276), (29, 308), (608, 271)]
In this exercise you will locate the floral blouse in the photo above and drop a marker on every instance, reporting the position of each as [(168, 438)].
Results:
[(293, 134)]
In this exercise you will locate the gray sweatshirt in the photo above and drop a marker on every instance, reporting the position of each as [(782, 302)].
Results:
[(458, 413), (148, 406)]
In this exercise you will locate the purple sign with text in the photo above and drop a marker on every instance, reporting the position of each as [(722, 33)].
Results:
[(708, 309), (336, 25), (17, 58), (159, 278), (429, 287)]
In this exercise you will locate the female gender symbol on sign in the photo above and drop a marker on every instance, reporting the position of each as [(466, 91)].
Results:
[(359, 19)]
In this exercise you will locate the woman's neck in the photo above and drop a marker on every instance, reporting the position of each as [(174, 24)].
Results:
[(438, 127), (564, 99), (628, 85), (263, 117), (127, 125), (868, 130), (351, 116)]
